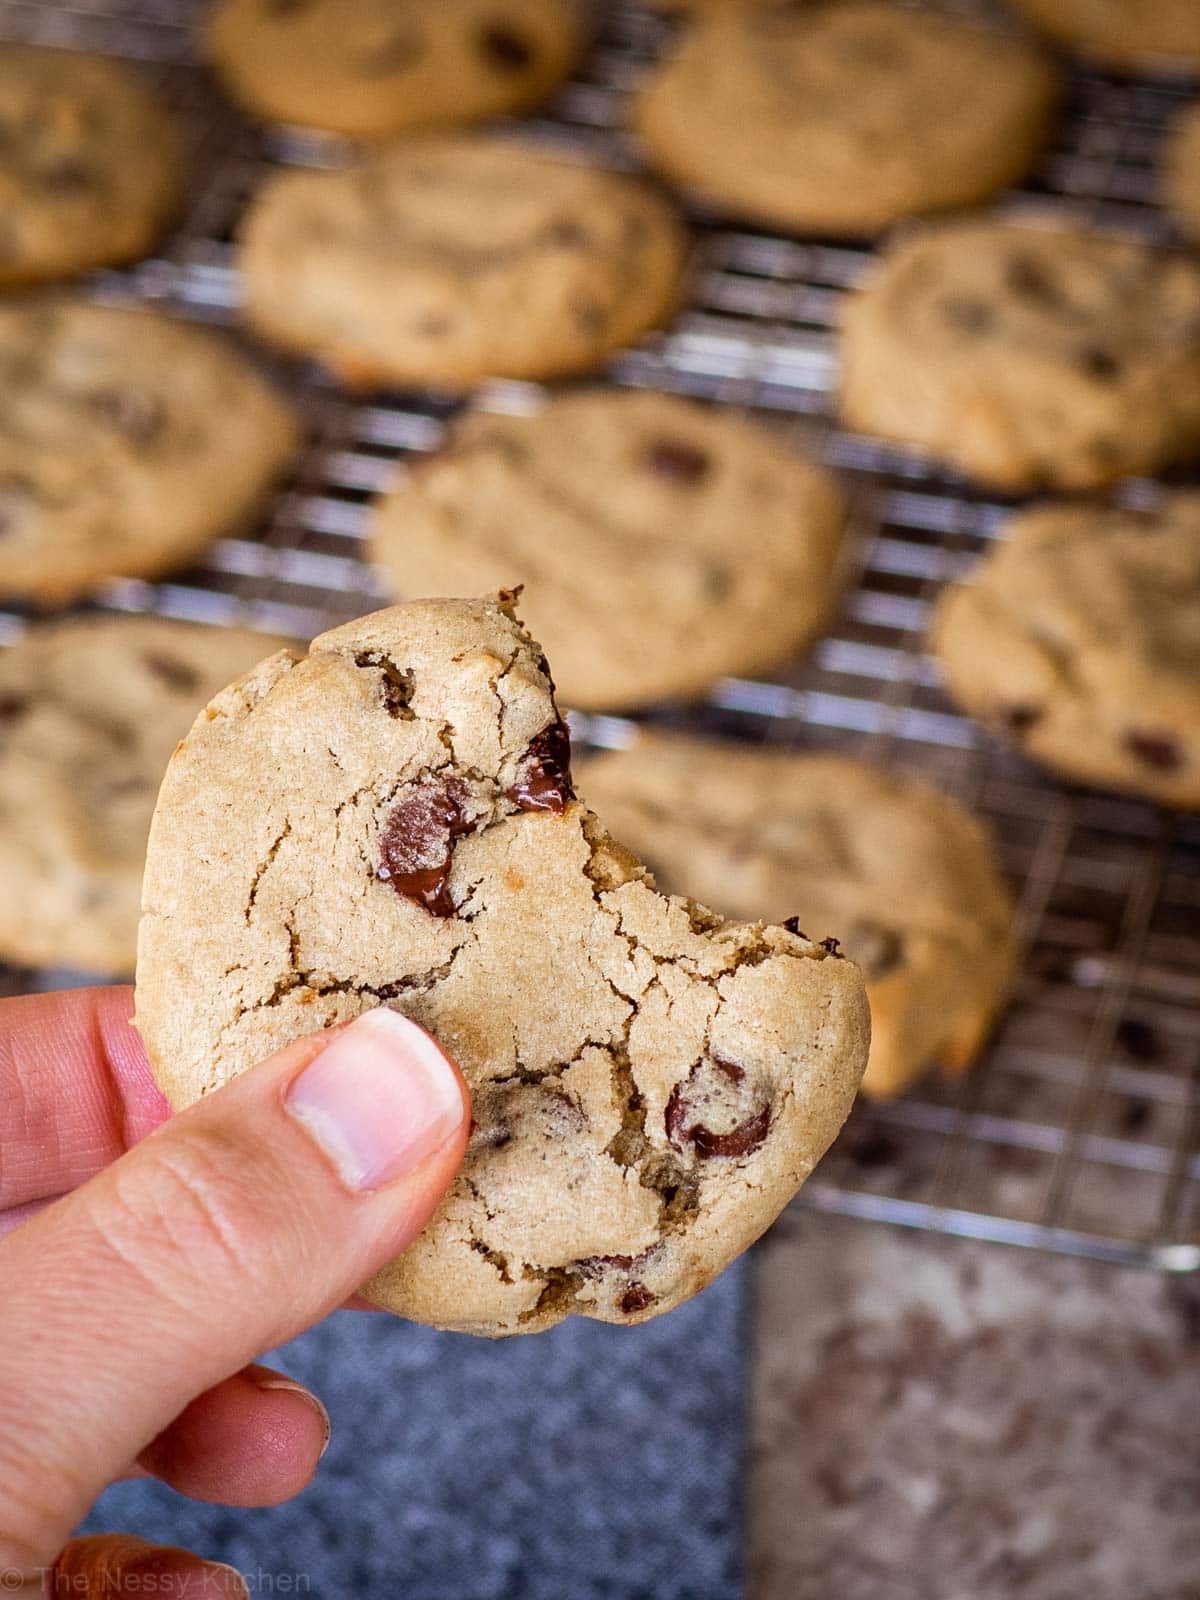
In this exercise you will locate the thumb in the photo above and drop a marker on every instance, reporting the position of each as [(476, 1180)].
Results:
[(233, 1227)]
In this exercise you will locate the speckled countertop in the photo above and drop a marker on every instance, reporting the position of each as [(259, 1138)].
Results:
[(934, 1419)]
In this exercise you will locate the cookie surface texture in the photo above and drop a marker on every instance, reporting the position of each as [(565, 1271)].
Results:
[(661, 543), (373, 68), (649, 1085), (1026, 356), (90, 168), (90, 711), (1123, 33), (128, 442), (1180, 184), (838, 119), (901, 875), (1078, 638), (450, 260)]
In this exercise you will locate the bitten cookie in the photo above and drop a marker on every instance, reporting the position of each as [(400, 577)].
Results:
[(1123, 33), (128, 441), (446, 261), (379, 67), (838, 119), (90, 169), (662, 543), (1078, 637), (1181, 170), (390, 821), (1027, 356), (90, 710), (899, 873)]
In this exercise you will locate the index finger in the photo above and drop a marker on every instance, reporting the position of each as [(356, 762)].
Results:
[(75, 1090)]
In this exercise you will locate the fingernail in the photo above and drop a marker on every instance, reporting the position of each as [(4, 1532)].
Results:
[(378, 1099), (286, 1386)]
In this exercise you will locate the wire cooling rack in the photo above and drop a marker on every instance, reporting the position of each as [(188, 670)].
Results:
[(1079, 1129)]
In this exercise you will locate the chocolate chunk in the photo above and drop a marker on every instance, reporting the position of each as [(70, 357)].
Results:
[(677, 460), (417, 843), (1139, 1040), (135, 413), (175, 674), (505, 49), (1027, 277), (729, 1069), (968, 316), (68, 176), (742, 1140), (792, 924), (833, 947), (403, 50), (1157, 750), (395, 687), (12, 707), (1020, 718), (1099, 363), (636, 1298), (545, 781)]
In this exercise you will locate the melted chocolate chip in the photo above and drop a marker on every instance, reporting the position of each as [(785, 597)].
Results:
[(1027, 277), (175, 674), (1157, 750), (505, 49), (1099, 363), (545, 781), (833, 947), (396, 687), (968, 316), (135, 413), (636, 1298), (1020, 718), (417, 844), (68, 176), (677, 460), (742, 1140), (729, 1069)]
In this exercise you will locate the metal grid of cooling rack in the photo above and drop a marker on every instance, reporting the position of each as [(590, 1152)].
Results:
[(1079, 1130)]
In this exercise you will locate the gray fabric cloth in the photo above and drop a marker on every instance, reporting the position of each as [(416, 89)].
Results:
[(587, 1463)]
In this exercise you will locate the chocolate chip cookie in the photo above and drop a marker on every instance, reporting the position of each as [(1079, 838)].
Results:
[(1027, 356), (377, 67), (901, 875), (1181, 170), (128, 441), (1078, 638), (445, 261), (838, 119), (1136, 34), (661, 543), (390, 821), (90, 710), (90, 169)]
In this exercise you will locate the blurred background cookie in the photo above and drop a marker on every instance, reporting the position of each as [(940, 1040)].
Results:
[(839, 119), (900, 874), (1122, 33), (90, 168), (1027, 356), (90, 710), (379, 67), (449, 260), (1078, 637), (128, 441), (661, 543), (1181, 170)]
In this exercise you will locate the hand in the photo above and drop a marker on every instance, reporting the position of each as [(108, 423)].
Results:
[(174, 1252)]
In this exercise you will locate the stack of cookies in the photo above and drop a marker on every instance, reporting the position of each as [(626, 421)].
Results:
[(658, 545)]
